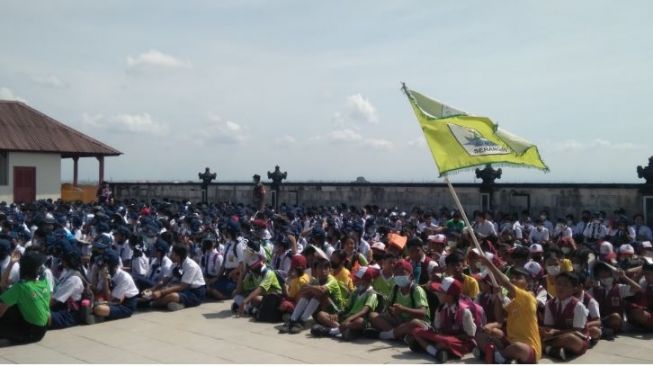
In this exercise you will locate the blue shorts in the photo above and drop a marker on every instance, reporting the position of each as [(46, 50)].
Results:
[(225, 286), (192, 297), (124, 310), (63, 319)]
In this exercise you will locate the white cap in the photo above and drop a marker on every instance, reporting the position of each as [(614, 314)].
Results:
[(536, 248), (533, 268), (647, 244), (438, 238), (378, 246), (606, 247), (626, 249)]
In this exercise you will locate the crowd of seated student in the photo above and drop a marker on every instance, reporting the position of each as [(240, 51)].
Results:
[(529, 289)]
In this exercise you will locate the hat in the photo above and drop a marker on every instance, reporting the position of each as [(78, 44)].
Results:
[(260, 224), (448, 286), (162, 246), (405, 265), (378, 246), (536, 248), (647, 245), (123, 230), (627, 249), (606, 248), (533, 268), (367, 273), (298, 261), (437, 239), (102, 242), (111, 257)]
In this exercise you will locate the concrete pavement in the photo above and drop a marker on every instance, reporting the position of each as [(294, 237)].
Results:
[(210, 334)]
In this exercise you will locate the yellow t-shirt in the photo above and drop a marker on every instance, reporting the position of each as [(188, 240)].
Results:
[(521, 319), (296, 284), (344, 277), (565, 266), (470, 286)]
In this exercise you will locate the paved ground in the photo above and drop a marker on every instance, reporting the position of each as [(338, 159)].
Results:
[(209, 334)]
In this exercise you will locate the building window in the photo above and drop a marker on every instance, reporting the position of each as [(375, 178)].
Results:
[(4, 168)]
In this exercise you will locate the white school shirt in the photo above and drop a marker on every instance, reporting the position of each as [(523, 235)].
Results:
[(211, 263), (231, 260), (140, 265), (364, 247), (580, 227), (159, 270), (595, 231), (123, 285), (539, 236), (485, 229), (125, 252), (192, 274), (592, 307), (580, 314), (14, 275), (644, 232), (68, 286)]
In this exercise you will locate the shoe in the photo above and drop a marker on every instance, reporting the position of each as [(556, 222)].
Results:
[(319, 330), (478, 354), (371, 333), (285, 328), (174, 306), (412, 344), (296, 327), (557, 353), (347, 335), (442, 356), (488, 352)]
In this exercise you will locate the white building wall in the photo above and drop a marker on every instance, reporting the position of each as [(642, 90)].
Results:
[(48, 174)]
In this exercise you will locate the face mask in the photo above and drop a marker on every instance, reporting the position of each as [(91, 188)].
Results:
[(480, 266), (565, 250), (553, 270), (402, 281), (577, 267), (607, 282)]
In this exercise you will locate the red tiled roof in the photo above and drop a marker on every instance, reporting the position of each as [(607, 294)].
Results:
[(23, 128)]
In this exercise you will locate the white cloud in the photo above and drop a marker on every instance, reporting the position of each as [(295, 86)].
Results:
[(575, 145), (156, 59), (284, 141), (8, 94), (127, 123), (349, 136), (420, 141), (49, 80), (219, 131), (359, 108)]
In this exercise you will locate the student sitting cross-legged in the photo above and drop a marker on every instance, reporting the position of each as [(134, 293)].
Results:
[(25, 306), (407, 307), (323, 292), (187, 287), (454, 324), (259, 282), (354, 318), (519, 339), (118, 287), (565, 320)]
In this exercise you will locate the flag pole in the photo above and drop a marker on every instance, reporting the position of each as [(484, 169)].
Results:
[(471, 230)]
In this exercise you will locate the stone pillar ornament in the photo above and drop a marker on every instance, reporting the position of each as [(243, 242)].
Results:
[(277, 176), (646, 172), (488, 174), (206, 179)]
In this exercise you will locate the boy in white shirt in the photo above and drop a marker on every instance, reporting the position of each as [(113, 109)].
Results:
[(188, 288)]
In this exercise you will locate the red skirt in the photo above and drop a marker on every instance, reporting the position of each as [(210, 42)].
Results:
[(453, 344)]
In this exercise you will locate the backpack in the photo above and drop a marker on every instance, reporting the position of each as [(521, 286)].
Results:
[(268, 310), (87, 294), (478, 313)]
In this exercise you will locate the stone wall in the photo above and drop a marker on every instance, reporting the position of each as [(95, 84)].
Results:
[(559, 199)]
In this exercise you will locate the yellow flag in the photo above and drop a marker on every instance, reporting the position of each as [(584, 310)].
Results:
[(458, 141)]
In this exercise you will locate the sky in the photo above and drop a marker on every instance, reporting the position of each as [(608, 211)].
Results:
[(314, 86)]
